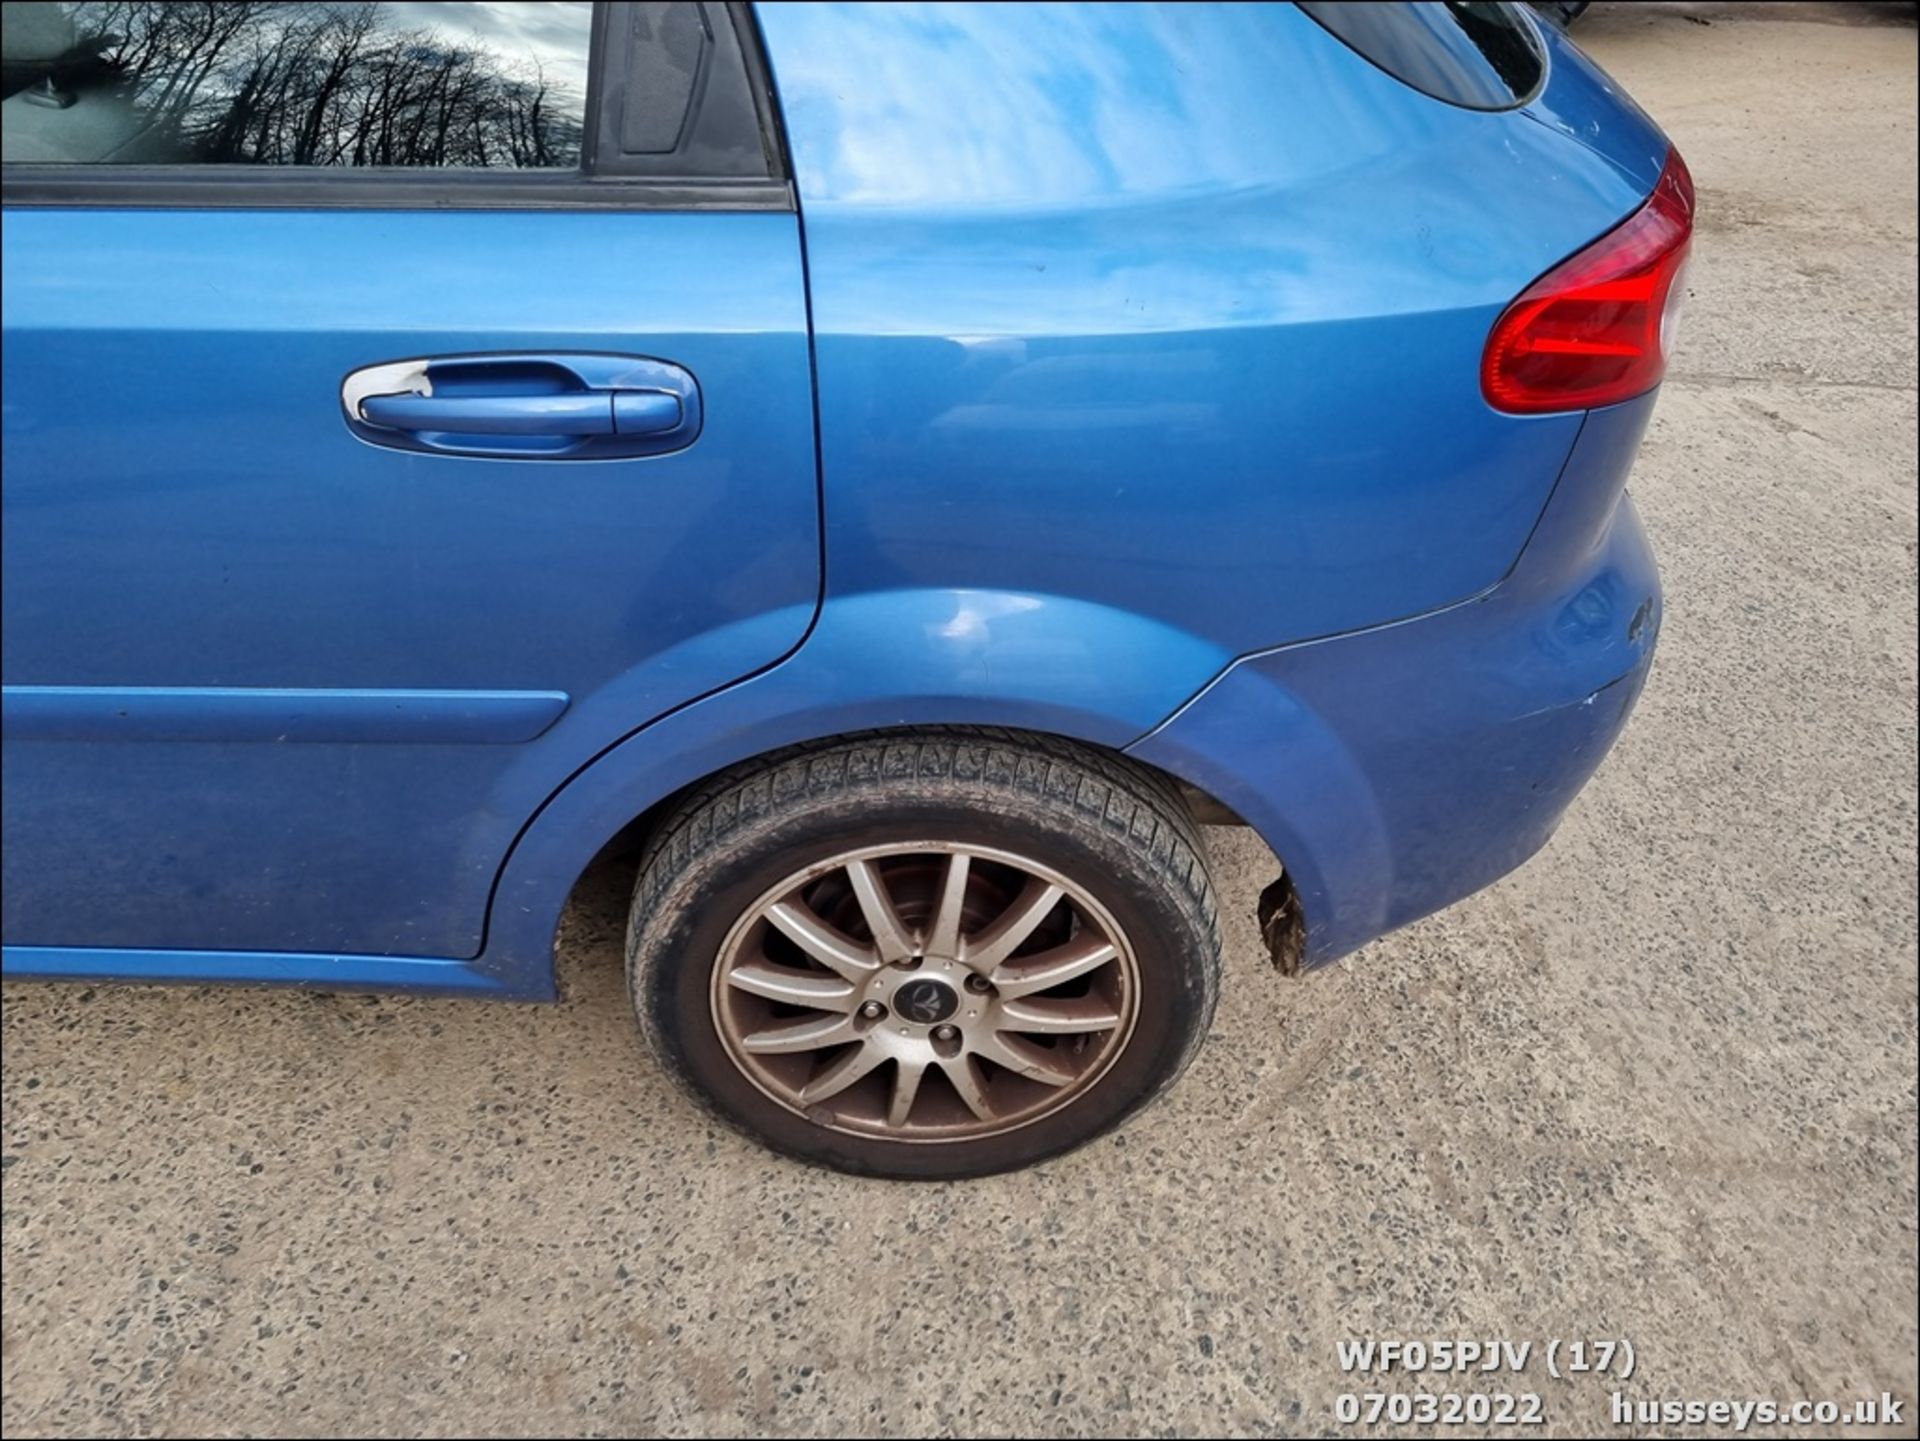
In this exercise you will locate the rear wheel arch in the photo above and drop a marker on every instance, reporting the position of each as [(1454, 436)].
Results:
[(628, 845), (600, 817), (1030, 662)]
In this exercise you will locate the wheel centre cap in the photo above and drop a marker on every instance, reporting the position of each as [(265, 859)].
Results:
[(925, 1001)]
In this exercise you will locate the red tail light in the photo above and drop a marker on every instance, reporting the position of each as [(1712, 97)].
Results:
[(1595, 329)]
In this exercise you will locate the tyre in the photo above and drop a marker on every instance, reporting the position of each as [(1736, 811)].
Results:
[(929, 954)]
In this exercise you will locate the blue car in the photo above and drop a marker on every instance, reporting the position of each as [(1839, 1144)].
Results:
[(894, 469)]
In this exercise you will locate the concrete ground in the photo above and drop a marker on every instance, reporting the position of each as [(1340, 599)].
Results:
[(1660, 1085)]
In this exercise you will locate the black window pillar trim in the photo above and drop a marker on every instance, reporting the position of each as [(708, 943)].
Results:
[(262, 187), (765, 94)]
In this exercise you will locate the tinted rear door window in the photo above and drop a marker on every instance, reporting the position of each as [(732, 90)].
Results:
[(1484, 56), (211, 82)]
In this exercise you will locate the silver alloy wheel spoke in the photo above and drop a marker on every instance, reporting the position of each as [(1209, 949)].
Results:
[(890, 938), (1052, 968), (845, 1032), (794, 988), (814, 1033), (984, 952), (906, 1086), (1072, 1016), (842, 1073), (943, 937), (1023, 1058), (966, 1081), (834, 949)]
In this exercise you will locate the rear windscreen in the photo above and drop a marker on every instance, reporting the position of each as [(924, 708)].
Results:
[(1485, 56)]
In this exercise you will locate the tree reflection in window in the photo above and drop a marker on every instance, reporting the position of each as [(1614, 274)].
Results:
[(246, 82)]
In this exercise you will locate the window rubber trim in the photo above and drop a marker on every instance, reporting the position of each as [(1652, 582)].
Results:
[(257, 187)]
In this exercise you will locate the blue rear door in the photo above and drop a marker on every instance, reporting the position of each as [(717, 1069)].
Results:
[(281, 678)]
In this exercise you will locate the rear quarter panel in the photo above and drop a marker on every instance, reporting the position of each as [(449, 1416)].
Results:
[(1172, 308)]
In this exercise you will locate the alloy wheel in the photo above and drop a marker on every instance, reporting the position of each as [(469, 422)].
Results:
[(925, 992)]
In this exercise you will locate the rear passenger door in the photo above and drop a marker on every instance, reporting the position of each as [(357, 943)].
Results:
[(403, 403)]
